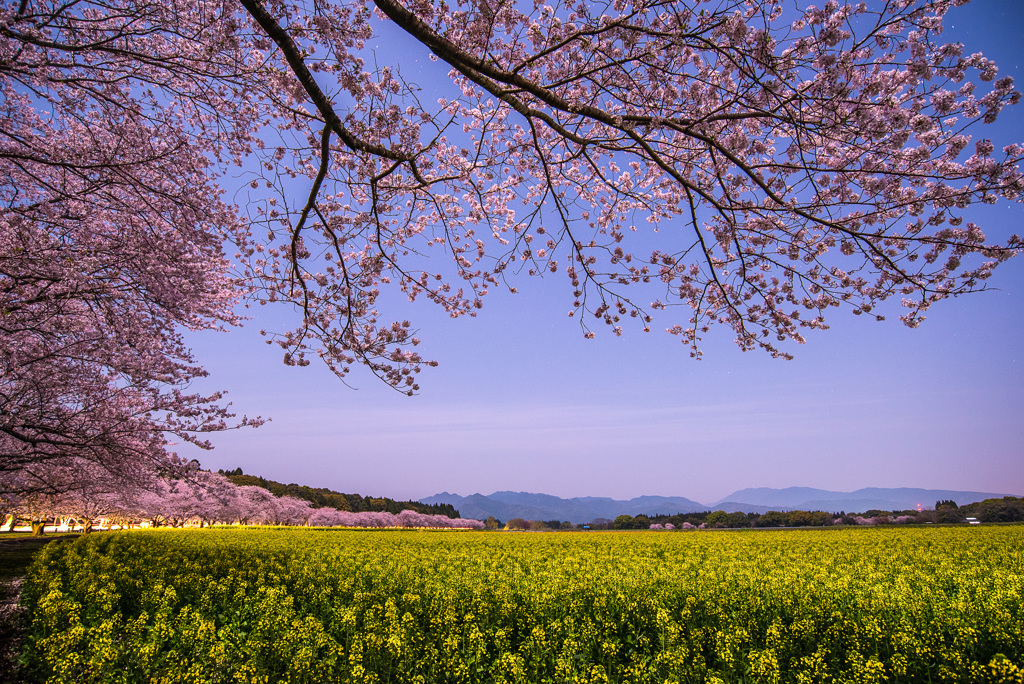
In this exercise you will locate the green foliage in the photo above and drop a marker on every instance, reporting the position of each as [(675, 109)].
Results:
[(773, 519), (1006, 509), (623, 522), (948, 515), (629, 522), (695, 519), (723, 519), (854, 605)]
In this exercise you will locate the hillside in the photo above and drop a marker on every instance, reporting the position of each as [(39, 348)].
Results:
[(507, 505), (759, 499), (322, 497)]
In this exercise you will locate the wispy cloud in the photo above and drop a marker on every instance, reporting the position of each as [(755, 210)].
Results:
[(720, 422)]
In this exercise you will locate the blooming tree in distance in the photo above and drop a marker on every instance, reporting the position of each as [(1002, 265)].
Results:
[(201, 498), (698, 163)]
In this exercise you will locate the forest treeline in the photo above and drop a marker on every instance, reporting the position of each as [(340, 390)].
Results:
[(1005, 509), (997, 510), (321, 497)]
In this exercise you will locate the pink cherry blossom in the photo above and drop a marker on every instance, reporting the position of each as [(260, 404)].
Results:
[(163, 163)]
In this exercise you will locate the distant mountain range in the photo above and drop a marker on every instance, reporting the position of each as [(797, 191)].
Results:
[(760, 499), (507, 505)]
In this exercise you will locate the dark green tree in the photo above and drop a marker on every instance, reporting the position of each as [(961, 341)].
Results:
[(623, 522), (772, 519)]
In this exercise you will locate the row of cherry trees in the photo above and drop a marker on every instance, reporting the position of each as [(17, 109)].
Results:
[(202, 498), (742, 163)]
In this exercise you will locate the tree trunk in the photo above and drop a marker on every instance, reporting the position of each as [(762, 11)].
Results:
[(9, 521), (38, 528), (86, 526)]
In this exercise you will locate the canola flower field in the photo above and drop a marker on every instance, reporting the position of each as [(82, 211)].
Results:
[(305, 605)]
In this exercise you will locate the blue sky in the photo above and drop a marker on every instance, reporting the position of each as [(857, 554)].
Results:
[(522, 401)]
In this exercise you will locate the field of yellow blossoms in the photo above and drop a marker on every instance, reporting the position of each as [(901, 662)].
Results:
[(306, 605)]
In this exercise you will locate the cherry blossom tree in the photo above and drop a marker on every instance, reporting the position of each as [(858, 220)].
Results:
[(206, 498), (292, 511), (753, 166), (90, 493), (39, 508), (748, 164), (111, 233), (252, 505), (330, 517), (325, 517)]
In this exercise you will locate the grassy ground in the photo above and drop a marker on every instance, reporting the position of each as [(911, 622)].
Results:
[(17, 549), (16, 552)]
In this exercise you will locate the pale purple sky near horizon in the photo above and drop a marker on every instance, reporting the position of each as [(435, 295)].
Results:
[(522, 402)]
